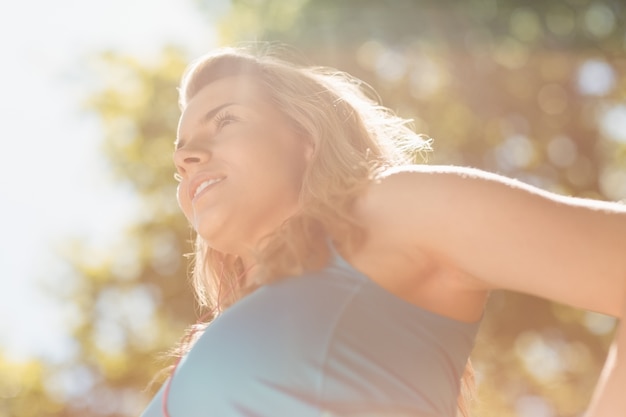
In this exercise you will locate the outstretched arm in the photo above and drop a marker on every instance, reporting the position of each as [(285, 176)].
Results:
[(610, 394), (504, 234)]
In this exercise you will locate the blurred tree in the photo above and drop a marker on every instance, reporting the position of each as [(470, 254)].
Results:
[(121, 328), (22, 390), (532, 90), (124, 329)]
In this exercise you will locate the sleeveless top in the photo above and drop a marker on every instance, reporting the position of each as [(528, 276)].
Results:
[(326, 343)]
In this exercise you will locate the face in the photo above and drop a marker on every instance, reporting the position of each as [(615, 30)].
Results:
[(240, 162)]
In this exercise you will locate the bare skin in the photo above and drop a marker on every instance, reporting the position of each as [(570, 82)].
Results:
[(438, 237), (444, 236), (229, 133), (608, 400)]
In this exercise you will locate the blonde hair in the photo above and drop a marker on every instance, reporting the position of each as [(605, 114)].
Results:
[(354, 137)]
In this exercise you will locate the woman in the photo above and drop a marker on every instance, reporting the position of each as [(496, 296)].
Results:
[(344, 280)]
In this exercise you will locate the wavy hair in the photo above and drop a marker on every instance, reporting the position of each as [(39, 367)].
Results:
[(354, 137)]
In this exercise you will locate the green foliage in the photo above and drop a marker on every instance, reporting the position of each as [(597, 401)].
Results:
[(22, 392), (126, 327), (131, 301)]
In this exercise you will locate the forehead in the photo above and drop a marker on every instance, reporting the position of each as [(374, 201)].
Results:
[(240, 89)]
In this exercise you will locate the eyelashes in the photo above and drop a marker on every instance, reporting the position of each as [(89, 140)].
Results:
[(219, 122), (224, 119)]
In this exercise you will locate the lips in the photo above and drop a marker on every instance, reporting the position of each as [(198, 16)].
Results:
[(200, 184)]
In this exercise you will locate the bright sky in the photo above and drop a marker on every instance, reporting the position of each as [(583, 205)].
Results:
[(53, 181)]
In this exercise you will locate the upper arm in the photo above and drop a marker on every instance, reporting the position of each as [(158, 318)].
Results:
[(509, 235)]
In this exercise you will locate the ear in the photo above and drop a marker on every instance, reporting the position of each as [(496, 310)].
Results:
[(309, 148)]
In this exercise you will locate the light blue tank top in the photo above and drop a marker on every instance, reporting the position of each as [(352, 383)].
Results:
[(327, 343)]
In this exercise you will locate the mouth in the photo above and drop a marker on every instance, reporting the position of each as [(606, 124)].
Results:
[(205, 185)]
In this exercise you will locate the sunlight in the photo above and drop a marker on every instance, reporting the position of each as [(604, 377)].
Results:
[(613, 123), (595, 78), (75, 197)]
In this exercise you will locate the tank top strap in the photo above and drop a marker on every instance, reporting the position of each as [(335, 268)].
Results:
[(337, 260)]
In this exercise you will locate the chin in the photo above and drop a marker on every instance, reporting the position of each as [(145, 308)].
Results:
[(215, 240), (208, 231)]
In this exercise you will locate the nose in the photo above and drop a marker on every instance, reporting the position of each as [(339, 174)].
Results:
[(190, 155)]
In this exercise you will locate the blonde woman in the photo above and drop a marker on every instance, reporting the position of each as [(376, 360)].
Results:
[(344, 280)]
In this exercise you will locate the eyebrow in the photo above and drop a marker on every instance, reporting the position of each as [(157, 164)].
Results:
[(205, 119)]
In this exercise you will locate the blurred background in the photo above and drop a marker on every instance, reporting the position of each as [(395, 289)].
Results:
[(93, 287)]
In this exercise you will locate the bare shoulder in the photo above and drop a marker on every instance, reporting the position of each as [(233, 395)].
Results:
[(447, 179), (446, 191), (503, 233), (405, 197), (391, 256)]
